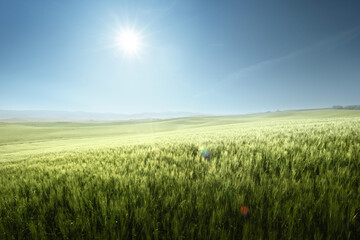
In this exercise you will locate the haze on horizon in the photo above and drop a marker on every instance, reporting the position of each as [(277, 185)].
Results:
[(216, 57)]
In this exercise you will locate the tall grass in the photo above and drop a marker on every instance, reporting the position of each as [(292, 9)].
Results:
[(299, 178)]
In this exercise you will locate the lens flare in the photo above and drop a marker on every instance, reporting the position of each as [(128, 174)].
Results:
[(204, 152), (244, 210)]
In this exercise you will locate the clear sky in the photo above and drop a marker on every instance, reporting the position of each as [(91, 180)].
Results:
[(218, 57)]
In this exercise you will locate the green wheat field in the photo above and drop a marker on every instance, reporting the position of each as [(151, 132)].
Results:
[(298, 172)]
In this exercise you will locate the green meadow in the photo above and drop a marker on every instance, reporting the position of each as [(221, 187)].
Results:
[(298, 172)]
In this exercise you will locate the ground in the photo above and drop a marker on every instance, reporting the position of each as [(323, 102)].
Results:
[(296, 171)]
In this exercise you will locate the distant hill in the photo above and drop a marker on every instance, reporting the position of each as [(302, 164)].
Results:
[(67, 116), (350, 107)]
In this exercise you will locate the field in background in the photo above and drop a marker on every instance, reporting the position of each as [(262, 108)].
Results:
[(297, 171)]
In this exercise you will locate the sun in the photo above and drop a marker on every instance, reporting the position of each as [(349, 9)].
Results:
[(129, 41)]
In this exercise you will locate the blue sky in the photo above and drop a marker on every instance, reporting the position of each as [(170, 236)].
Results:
[(218, 57)]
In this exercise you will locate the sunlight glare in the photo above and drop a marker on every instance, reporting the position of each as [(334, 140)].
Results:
[(130, 42)]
